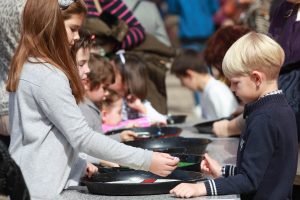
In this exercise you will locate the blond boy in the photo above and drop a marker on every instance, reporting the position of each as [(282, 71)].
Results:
[(267, 153)]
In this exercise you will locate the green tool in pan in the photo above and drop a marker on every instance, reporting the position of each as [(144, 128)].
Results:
[(184, 164)]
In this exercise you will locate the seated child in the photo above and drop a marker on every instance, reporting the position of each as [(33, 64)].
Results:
[(267, 153), (130, 83), (217, 100), (111, 110)]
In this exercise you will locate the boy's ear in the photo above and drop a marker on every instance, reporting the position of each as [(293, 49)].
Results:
[(257, 77), (189, 72)]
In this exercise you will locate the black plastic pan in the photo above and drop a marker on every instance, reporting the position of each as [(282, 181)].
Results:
[(173, 145), (176, 119), (151, 132), (138, 182), (206, 127)]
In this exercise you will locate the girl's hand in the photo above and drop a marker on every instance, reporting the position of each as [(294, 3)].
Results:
[(163, 164), (128, 136), (211, 167), (136, 104), (90, 170), (187, 190)]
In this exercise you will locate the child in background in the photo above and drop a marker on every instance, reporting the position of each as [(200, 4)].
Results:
[(99, 78), (111, 110), (214, 53), (130, 83), (267, 153), (96, 74), (217, 100)]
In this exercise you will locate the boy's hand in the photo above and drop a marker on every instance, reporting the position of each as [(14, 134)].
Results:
[(187, 190), (90, 170), (211, 167), (128, 136), (163, 164), (220, 128)]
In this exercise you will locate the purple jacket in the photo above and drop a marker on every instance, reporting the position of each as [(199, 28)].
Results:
[(286, 31)]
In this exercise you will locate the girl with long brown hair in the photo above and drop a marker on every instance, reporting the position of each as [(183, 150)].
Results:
[(47, 127)]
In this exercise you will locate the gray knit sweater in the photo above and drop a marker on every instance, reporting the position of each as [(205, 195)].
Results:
[(10, 13), (48, 129)]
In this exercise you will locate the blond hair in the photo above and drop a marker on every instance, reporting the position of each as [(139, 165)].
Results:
[(253, 51)]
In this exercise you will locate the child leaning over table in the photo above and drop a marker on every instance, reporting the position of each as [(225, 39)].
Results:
[(217, 101), (267, 153), (130, 83)]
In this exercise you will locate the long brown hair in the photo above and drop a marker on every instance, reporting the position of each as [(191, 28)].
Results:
[(43, 36)]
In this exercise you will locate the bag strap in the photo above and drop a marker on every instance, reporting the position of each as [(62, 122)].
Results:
[(136, 5), (98, 7)]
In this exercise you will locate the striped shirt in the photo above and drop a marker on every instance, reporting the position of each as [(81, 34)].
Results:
[(119, 10)]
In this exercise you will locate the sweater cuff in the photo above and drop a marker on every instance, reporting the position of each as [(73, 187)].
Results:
[(148, 159), (228, 170), (211, 187)]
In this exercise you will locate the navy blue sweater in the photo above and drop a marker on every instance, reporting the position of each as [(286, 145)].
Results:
[(267, 154)]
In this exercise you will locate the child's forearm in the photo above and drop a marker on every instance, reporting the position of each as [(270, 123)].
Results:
[(236, 125), (202, 189), (142, 109)]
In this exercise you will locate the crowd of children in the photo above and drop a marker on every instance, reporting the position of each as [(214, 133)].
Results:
[(66, 90)]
